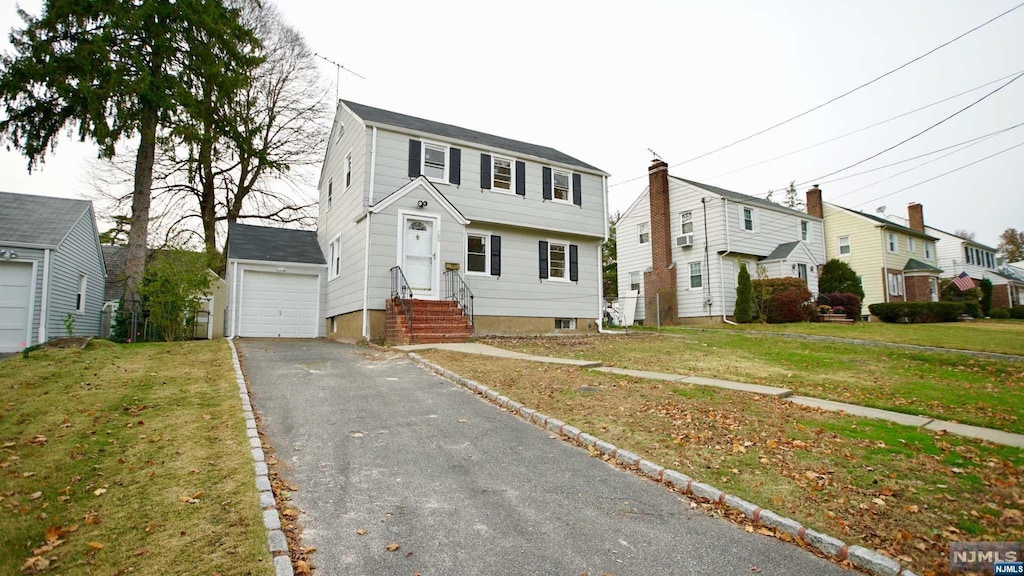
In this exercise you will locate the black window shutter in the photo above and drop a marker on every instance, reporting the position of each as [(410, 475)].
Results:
[(574, 263), (546, 182), (521, 178), (455, 170), (577, 190), (485, 171), (495, 255), (543, 259), (415, 148)]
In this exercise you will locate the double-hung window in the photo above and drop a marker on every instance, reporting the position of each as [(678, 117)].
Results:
[(560, 185), (748, 219), (435, 161), (910, 244), (330, 193), (634, 281), (804, 225), (334, 264), (844, 245), (696, 277), (895, 284), (558, 256), (891, 242), (348, 170), (80, 297), (476, 254), (928, 250), (686, 223), (502, 174), (643, 231)]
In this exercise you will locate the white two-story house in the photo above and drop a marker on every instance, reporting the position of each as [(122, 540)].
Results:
[(691, 239), (957, 255), (414, 211)]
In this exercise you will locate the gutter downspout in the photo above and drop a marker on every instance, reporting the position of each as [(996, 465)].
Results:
[(234, 297), (366, 279), (373, 165), (600, 260), (721, 257), (885, 268), (44, 308)]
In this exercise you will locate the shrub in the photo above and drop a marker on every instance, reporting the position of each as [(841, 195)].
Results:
[(999, 313), (744, 297), (914, 312), (171, 289), (972, 308), (765, 289), (1017, 312), (849, 303), (792, 306), (986, 295), (838, 277)]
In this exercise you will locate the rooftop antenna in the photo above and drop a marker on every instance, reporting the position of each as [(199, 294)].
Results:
[(655, 154), (880, 210), (337, 73)]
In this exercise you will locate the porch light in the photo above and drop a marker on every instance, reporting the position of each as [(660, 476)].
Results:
[(422, 203)]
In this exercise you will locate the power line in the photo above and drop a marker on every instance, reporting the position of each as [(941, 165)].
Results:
[(1003, 151), (897, 117), (908, 139), (843, 95)]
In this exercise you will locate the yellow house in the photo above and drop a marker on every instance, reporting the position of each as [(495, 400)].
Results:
[(894, 263)]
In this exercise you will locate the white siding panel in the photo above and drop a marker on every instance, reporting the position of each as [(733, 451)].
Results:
[(632, 256)]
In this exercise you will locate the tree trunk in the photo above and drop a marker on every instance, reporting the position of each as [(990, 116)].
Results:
[(208, 194), (138, 234)]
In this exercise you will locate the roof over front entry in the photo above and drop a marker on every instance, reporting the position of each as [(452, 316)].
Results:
[(380, 117), (246, 242), (918, 266)]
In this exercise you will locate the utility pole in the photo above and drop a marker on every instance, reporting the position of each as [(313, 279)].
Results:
[(337, 74)]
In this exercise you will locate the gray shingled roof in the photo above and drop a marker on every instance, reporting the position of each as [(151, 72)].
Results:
[(914, 265), (888, 223), (247, 242), (753, 200), (384, 117), (38, 220), (782, 250), (114, 258), (1011, 273)]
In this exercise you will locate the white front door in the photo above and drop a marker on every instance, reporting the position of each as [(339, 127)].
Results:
[(418, 260)]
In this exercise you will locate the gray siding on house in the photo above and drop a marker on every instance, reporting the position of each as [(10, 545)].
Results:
[(479, 205), (78, 255)]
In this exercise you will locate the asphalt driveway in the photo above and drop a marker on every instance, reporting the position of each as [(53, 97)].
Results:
[(375, 442)]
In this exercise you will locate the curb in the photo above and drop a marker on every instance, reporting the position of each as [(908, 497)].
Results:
[(276, 541), (862, 558)]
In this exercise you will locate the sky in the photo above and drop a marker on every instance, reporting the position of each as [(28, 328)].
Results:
[(607, 82)]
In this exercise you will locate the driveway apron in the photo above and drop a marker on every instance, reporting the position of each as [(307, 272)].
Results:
[(374, 442)]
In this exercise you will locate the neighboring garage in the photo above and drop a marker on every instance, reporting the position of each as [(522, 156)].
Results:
[(15, 304), (276, 280)]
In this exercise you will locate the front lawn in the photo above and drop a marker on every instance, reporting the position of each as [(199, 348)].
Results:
[(1000, 336), (903, 490), (956, 387), (124, 459)]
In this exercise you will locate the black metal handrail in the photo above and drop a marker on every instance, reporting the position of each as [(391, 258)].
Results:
[(401, 293), (455, 288)]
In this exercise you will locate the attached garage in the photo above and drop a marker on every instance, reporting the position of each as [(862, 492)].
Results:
[(15, 305), (275, 281)]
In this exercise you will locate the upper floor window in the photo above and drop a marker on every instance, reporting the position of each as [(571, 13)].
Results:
[(560, 185), (348, 170), (502, 174), (891, 242), (334, 264), (330, 192), (696, 278), (804, 229), (968, 255), (686, 223), (928, 250), (844, 245), (988, 258), (80, 297), (910, 244), (634, 281), (476, 253), (435, 161), (643, 231), (748, 219)]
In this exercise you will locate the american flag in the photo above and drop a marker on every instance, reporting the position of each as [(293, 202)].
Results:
[(963, 282)]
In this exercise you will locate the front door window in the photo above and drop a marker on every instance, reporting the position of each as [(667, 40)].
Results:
[(419, 254)]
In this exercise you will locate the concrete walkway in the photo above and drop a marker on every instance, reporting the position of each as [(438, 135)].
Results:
[(988, 434)]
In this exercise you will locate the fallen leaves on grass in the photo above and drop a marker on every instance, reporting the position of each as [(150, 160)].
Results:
[(35, 565), (99, 492)]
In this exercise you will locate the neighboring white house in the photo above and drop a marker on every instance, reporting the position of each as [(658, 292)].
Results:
[(693, 237), (414, 204), (50, 266), (958, 254)]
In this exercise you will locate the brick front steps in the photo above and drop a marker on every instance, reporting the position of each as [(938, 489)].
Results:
[(432, 321)]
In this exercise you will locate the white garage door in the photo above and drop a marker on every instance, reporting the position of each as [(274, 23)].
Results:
[(15, 290), (278, 305)]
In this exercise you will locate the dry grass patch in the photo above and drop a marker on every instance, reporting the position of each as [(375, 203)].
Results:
[(127, 459), (880, 485), (955, 387)]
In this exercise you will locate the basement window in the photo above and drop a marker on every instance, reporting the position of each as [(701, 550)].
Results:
[(565, 323)]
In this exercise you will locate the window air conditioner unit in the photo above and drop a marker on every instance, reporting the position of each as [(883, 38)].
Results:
[(684, 240)]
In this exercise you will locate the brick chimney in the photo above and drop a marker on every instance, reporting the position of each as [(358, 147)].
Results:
[(915, 213), (814, 206), (662, 277)]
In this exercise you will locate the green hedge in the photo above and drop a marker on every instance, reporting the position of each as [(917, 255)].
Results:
[(999, 313), (1017, 312), (918, 311)]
